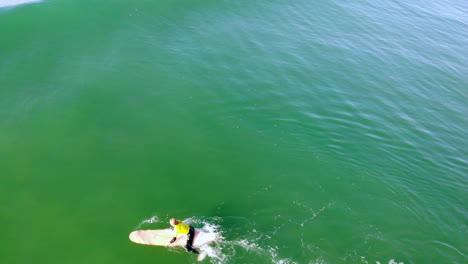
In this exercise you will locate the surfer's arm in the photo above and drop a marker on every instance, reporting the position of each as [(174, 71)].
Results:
[(174, 234)]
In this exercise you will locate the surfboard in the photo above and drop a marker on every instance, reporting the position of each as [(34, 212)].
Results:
[(161, 237)]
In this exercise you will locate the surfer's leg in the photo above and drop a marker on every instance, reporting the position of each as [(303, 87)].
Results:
[(191, 236), (191, 249)]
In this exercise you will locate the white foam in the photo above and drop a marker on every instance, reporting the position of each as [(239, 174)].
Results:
[(254, 247), (214, 250), (10, 3), (274, 257), (392, 261), (154, 219), (318, 261), (209, 226)]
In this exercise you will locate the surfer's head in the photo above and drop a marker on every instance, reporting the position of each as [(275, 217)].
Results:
[(173, 222)]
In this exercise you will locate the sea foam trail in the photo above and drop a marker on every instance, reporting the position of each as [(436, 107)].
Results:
[(11, 3), (224, 251)]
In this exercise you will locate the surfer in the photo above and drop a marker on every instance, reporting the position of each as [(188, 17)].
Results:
[(183, 228)]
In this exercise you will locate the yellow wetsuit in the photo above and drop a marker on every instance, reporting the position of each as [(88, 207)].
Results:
[(181, 228)]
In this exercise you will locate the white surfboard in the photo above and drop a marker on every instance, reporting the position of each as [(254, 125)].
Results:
[(10, 3), (161, 237)]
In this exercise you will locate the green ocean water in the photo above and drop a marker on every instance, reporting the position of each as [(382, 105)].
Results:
[(301, 131)]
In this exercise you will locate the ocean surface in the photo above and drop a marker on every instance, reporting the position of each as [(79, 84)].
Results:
[(301, 131)]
